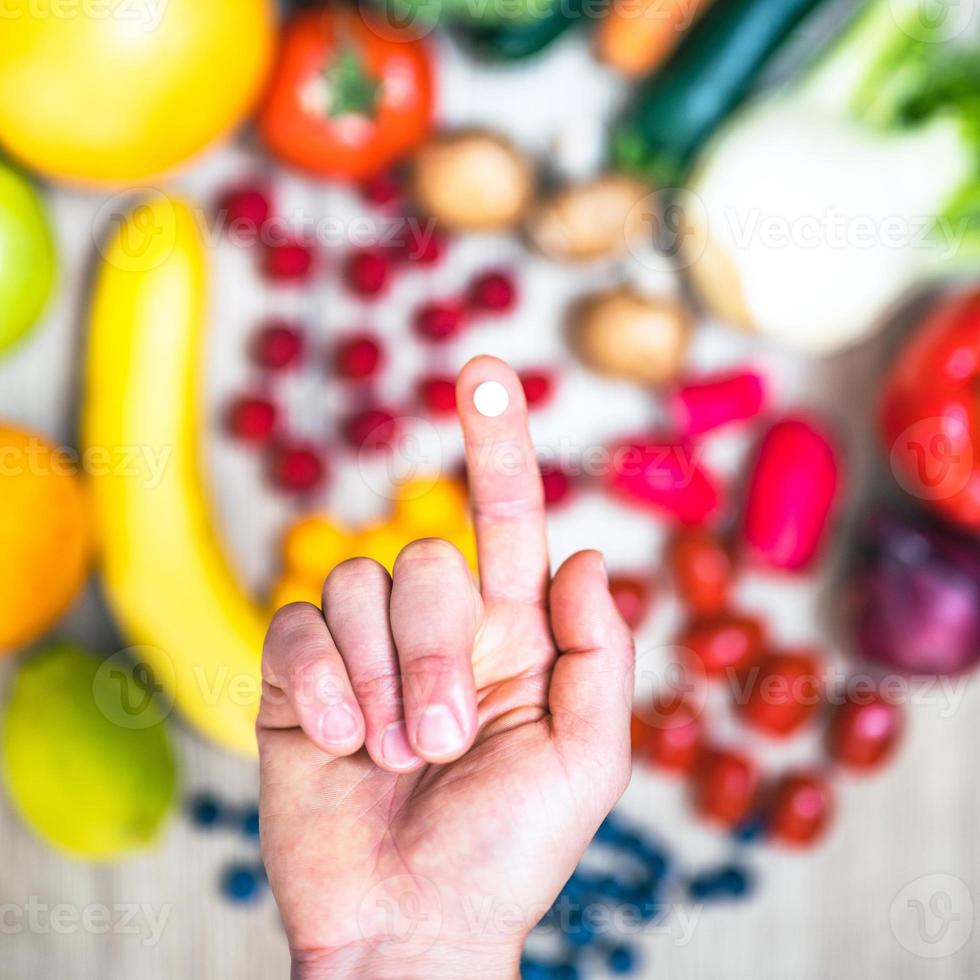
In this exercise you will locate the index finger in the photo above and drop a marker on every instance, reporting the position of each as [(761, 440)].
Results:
[(505, 482)]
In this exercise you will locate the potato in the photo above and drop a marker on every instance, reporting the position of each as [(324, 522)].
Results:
[(625, 334), (473, 181), (594, 220)]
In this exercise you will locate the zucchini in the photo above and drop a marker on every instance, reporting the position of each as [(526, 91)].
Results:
[(677, 110), (516, 39)]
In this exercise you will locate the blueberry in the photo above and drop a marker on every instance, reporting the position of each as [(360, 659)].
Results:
[(622, 959), (240, 883), (735, 881), (729, 881), (250, 822), (609, 831), (579, 931), (205, 810), (750, 831), (533, 970), (566, 971)]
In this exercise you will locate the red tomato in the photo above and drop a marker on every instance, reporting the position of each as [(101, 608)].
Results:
[(801, 808), (864, 731), (725, 786), (702, 569), (346, 100), (726, 643), (668, 734), (782, 692)]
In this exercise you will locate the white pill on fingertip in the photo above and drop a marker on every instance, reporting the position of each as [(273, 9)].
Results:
[(491, 399)]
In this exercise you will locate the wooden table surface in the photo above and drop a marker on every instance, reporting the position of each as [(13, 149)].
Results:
[(890, 894)]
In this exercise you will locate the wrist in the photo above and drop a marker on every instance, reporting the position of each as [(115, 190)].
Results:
[(390, 961)]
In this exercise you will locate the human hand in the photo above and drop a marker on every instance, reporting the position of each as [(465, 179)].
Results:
[(436, 755)]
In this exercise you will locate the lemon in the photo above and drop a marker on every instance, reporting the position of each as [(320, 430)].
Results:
[(86, 755)]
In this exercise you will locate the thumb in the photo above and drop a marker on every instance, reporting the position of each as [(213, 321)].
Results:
[(592, 682)]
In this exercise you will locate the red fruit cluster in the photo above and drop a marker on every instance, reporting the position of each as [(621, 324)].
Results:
[(777, 693)]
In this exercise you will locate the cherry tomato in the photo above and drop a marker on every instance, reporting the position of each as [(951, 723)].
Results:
[(725, 786), (702, 567), (723, 644), (801, 809), (864, 731), (668, 734), (633, 597), (346, 99), (782, 693)]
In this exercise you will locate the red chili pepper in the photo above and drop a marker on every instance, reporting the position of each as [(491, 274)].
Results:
[(791, 494), (930, 412), (666, 477), (708, 403)]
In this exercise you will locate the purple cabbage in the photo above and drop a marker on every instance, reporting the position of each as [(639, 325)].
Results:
[(919, 597)]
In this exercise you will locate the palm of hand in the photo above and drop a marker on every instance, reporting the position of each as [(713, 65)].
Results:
[(464, 855)]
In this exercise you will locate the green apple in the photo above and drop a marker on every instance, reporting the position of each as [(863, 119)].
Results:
[(27, 257)]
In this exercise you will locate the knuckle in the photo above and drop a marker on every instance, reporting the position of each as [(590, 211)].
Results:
[(353, 573), (424, 672), (311, 682), (378, 685), (427, 550)]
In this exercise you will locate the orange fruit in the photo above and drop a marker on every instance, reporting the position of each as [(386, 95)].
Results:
[(45, 535)]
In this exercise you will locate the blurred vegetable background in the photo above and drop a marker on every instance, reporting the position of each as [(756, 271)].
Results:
[(731, 248)]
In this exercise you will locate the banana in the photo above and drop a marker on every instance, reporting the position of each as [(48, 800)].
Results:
[(165, 575)]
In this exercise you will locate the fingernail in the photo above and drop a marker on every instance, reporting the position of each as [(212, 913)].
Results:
[(338, 724), (491, 399), (438, 732), (395, 748)]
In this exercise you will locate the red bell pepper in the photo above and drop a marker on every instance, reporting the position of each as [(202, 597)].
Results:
[(930, 411)]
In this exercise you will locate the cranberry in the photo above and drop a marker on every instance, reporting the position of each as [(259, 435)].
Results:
[(801, 809), (367, 272), (252, 419), (783, 693), (278, 345), (245, 209), (702, 567), (297, 468), (726, 643), (439, 322), (668, 733), (557, 485), (632, 596), (422, 246), (725, 786), (493, 292), (538, 387), (373, 428), (382, 189), (864, 731), (438, 394), (358, 357), (289, 262)]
